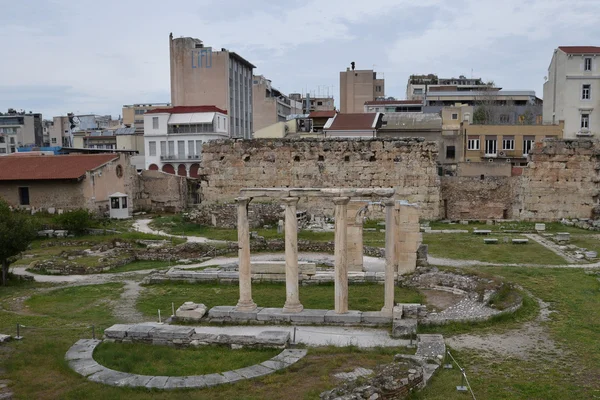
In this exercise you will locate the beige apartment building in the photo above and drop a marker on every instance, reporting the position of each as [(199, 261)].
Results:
[(133, 114), (572, 91), (201, 76), (269, 105), (316, 103), (358, 87)]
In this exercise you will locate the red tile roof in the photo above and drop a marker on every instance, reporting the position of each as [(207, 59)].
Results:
[(322, 114), (382, 102), (580, 49), (39, 167), (186, 110), (354, 122)]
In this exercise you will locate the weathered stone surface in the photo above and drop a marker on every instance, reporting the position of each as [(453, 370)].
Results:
[(376, 317), (278, 267), (404, 328), (220, 311), (351, 317), (309, 316), (253, 371), (5, 338)]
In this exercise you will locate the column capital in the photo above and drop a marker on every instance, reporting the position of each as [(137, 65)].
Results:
[(340, 201), (290, 201), (243, 200), (389, 202)]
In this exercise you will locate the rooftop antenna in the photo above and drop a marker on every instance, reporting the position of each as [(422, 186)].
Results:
[(353, 65)]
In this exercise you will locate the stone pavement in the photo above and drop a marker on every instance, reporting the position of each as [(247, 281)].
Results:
[(80, 359)]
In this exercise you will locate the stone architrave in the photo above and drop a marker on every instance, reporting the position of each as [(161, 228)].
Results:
[(354, 231), (390, 256), (245, 278), (292, 301), (341, 255), (408, 235)]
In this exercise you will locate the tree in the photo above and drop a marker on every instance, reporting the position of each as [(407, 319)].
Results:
[(17, 231)]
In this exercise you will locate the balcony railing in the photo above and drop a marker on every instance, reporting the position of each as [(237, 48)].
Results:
[(183, 157)]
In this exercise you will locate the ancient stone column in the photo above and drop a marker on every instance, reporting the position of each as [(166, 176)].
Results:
[(341, 255), (390, 256), (292, 301), (408, 236), (354, 230), (245, 303)]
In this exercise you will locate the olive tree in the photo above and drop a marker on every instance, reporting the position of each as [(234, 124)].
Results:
[(17, 231)]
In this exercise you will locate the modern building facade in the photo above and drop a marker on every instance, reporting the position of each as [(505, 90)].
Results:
[(419, 86), (20, 129), (313, 103), (393, 106), (200, 75), (358, 87), (133, 114), (173, 137), (572, 90), (269, 105)]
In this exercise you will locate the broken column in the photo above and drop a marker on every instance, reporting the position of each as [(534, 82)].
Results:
[(390, 256), (341, 255), (245, 303), (408, 235), (292, 301), (354, 231)]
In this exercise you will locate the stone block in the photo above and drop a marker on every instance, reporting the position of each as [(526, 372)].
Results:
[(273, 337), (278, 267), (140, 331), (175, 382), (232, 376), (5, 338), (520, 241), (236, 315), (310, 316), (273, 314), (253, 371), (172, 332), (404, 328), (397, 312), (214, 379), (540, 227), (191, 311), (351, 317), (134, 381), (86, 366), (563, 237), (375, 317), (220, 311)]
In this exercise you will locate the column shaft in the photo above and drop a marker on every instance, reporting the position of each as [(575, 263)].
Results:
[(292, 301), (245, 278), (341, 255), (390, 256)]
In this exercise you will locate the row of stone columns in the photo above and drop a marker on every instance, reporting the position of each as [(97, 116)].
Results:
[(292, 303)]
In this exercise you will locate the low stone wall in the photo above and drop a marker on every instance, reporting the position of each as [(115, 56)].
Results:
[(65, 267), (225, 215), (184, 336)]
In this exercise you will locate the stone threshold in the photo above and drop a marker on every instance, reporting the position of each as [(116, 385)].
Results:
[(80, 359)]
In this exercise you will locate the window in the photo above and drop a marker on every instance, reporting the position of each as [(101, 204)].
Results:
[(491, 146), (319, 103), (163, 148), (504, 118), (527, 144), (171, 148), (139, 112), (508, 143), (152, 148), (24, 196), (181, 148), (585, 121), (2, 140), (587, 64), (417, 91), (123, 202), (450, 152), (473, 144), (154, 122), (454, 116), (191, 151), (119, 171), (12, 140), (2, 150), (198, 147), (114, 203), (53, 140), (586, 92)]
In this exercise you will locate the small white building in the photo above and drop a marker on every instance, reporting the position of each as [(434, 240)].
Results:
[(119, 208), (173, 137), (572, 91)]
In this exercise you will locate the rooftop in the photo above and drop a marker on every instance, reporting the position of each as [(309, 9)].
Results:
[(353, 122), (383, 102), (186, 110), (49, 167), (580, 49), (322, 114), (412, 121)]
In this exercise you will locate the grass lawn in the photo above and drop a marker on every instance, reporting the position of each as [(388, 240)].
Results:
[(141, 265), (466, 246), (522, 226), (365, 297), (146, 359), (586, 241)]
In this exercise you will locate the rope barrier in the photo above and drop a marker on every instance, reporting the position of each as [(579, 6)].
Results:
[(464, 377)]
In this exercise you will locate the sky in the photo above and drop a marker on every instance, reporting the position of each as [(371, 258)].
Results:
[(90, 56)]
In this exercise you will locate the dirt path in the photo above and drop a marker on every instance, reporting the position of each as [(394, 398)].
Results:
[(124, 309), (448, 262), (143, 225), (529, 341), (553, 247)]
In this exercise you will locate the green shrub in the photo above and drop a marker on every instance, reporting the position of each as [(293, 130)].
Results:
[(76, 222)]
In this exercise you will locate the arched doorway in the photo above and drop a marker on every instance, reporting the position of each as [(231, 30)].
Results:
[(168, 168), (153, 167), (181, 171), (194, 170)]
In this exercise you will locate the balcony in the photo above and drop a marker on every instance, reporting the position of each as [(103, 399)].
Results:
[(176, 157), (584, 133)]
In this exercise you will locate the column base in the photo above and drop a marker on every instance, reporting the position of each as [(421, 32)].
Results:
[(386, 312), (245, 306), (292, 308), (341, 311)]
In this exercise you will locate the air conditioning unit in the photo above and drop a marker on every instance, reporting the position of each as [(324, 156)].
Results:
[(501, 154), (468, 160), (162, 157), (197, 156), (171, 157), (491, 160), (508, 160), (189, 157)]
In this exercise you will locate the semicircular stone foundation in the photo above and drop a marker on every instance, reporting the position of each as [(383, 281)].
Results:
[(81, 360)]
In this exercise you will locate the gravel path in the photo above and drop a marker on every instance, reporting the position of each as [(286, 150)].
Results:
[(124, 308), (553, 247), (142, 225), (447, 262)]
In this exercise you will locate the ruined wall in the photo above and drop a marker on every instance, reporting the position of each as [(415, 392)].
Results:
[(159, 191), (494, 197), (408, 165), (562, 180)]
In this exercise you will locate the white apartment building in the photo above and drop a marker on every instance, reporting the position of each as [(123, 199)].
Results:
[(572, 91), (173, 137)]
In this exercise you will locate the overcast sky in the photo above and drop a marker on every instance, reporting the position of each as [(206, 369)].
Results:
[(83, 56)]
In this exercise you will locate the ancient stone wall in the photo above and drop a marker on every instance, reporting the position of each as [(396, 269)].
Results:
[(562, 180), (408, 165), (225, 215), (494, 197), (158, 191)]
